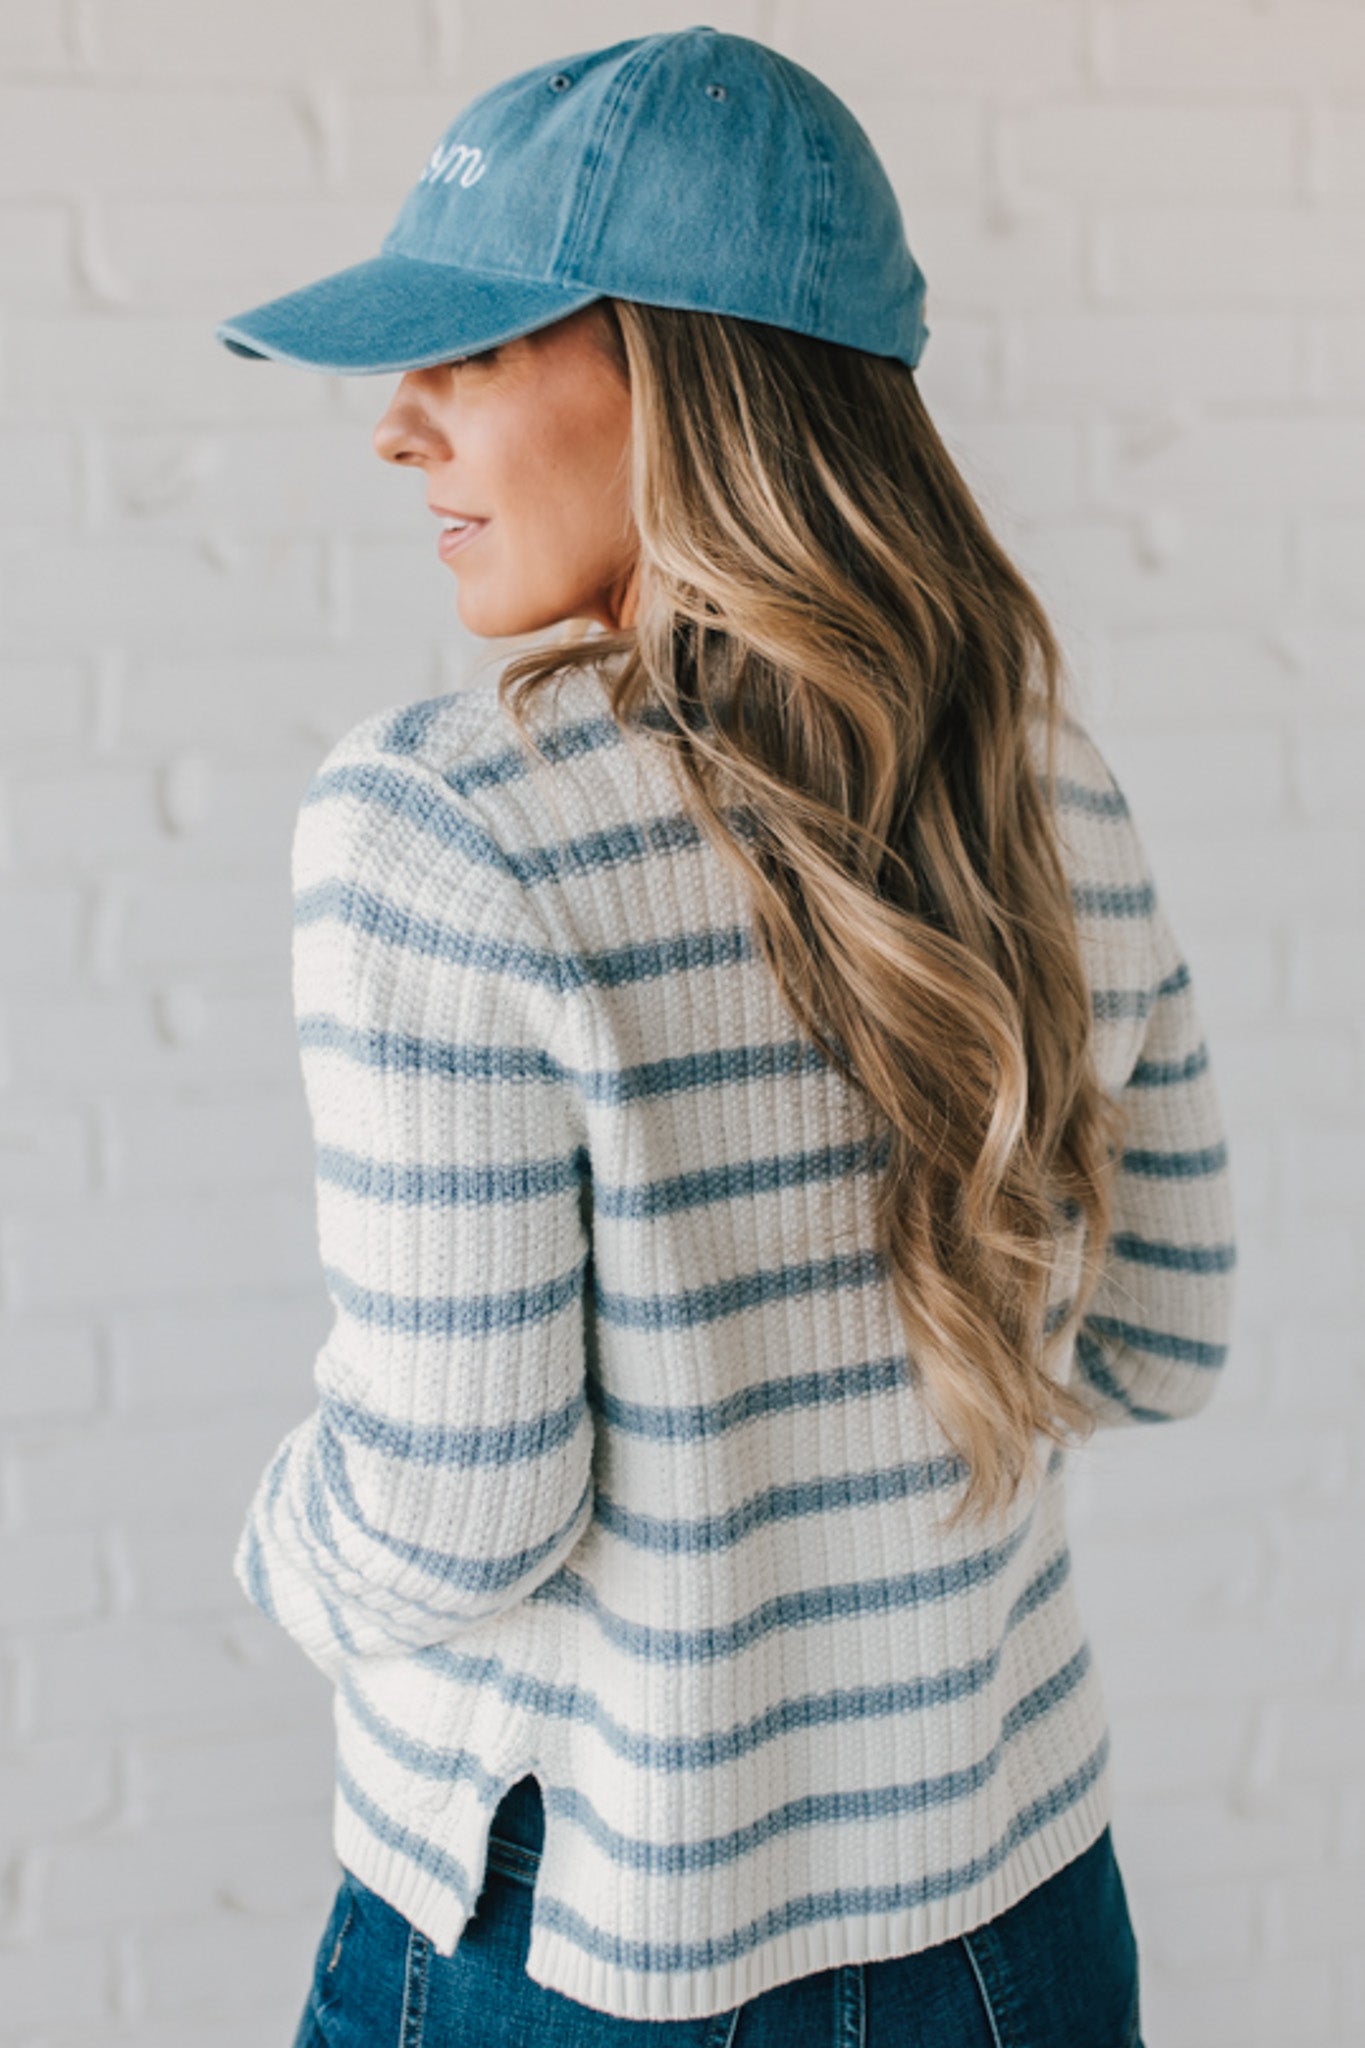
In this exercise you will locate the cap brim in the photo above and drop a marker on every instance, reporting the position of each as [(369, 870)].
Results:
[(396, 313)]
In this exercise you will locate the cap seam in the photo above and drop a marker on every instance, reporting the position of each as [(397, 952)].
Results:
[(818, 235), (566, 256)]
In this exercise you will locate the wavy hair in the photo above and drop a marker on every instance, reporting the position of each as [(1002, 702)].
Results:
[(850, 676)]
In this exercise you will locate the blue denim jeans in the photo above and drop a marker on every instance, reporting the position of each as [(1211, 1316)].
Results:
[(1059, 1969)]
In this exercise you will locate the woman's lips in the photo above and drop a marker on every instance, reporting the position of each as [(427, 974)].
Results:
[(450, 541)]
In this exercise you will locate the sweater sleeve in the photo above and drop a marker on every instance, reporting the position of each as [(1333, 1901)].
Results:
[(1152, 1343), (446, 1470)]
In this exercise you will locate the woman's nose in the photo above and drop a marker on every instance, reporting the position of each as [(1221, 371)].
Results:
[(404, 433)]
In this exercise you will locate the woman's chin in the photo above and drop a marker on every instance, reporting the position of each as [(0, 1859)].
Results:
[(478, 616), (483, 615)]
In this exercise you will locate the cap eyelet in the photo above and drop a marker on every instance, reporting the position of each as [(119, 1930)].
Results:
[(560, 82), (716, 92)]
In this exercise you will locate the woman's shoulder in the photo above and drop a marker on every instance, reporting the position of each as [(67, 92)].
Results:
[(430, 732), (1084, 777), (1094, 819), (455, 772), (468, 726)]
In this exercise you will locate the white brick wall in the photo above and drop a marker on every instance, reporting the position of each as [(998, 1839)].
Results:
[(1143, 225)]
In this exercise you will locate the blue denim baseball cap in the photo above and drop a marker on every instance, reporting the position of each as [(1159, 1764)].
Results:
[(691, 168)]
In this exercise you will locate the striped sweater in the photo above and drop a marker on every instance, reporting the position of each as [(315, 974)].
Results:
[(614, 1474)]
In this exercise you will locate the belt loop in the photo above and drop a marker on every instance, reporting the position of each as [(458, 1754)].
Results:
[(850, 2025)]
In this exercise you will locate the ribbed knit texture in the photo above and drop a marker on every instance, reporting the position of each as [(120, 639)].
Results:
[(615, 1474)]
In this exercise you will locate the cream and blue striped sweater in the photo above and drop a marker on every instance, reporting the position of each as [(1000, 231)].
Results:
[(614, 1473)]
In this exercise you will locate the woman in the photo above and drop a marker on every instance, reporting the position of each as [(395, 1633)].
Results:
[(762, 1120)]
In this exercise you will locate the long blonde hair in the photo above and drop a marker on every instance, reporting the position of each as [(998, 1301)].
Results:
[(848, 673)]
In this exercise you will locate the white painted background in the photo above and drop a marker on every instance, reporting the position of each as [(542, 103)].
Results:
[(1143, 226)]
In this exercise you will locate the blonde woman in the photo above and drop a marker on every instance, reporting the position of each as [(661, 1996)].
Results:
[(763, 1124)]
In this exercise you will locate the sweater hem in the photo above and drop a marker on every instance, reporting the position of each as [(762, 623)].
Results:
[(426, 1886), (560, 1964)]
